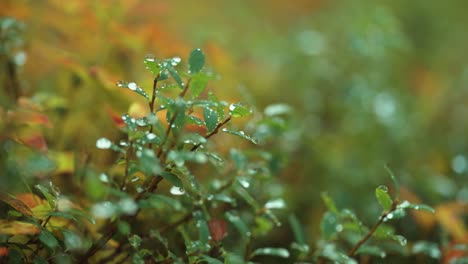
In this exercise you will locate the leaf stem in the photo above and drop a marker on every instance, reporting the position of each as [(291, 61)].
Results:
[(382, 217)]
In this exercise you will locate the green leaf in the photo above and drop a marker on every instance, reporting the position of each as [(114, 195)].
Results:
[(48, 239), (152, 64), (40, 260), (172, 178), (423, 207), (72, 240), (50, 199), (297, 229), (202, 225), (135, 241), (175, 75), (239, 224), (383, 197), (65, 215), (196, 61), (133, 87), (328, 225), (239, 110), (211, 118), (329, 203), (240, 134), (211, 260), (198, 84), (149, 163), (371, 250), (276, 252), (193, 120), (427, 248), (395, 182)]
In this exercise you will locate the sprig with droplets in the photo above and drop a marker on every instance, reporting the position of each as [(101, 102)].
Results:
[(159, 149)]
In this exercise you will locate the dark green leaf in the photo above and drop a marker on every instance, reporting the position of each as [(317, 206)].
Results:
[(175, 75), (198, 84), (211, 260), (196, 61), (172, 178), (277, 252), (211, 118), (383, 197), (40, 260), (329, 225), (48, 239), (65, 215)]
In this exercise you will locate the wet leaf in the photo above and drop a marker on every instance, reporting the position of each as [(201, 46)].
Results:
[(211, 118), (202, 225), (383, 197), (198, 84), (241, 134), (239, 110), (328, 226), (175, 75), (172, 178), (152, 64), (196, 61)]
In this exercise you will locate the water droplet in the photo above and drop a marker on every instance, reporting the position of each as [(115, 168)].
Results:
[(224, 129), (339, 228), (275, 204), (232, 107), (383, 254), (150, 58), (244, 183), (128, 206), (132, 86), (383, 188), (121, 84), (103, 177), (459, 164), (175, 61), (151, 136), (177, 190), (123, 143), (402, 240), (103, 143)]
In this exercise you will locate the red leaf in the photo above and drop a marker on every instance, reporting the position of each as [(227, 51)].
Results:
[(218, 229)]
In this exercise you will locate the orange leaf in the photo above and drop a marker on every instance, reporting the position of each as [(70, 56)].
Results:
[(17, 204)]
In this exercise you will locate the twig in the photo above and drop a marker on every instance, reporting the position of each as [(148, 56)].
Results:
[(382, 217), (127, 161), (215, 131)]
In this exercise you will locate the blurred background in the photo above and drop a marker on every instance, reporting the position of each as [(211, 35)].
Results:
[(369, 83)]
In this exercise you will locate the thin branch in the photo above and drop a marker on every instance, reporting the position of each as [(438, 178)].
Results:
[(382, 217), (171, 122), (127, 161), (212, 133)]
